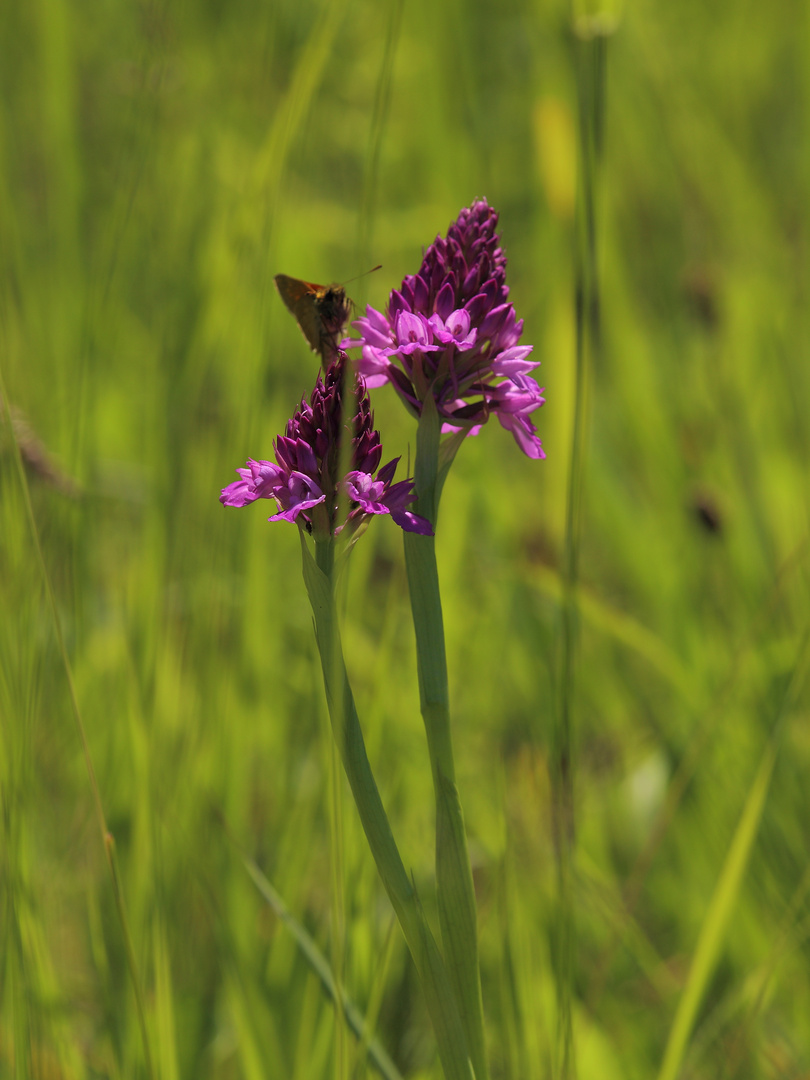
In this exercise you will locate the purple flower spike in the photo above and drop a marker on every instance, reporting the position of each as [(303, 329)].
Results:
[(305, 483), (450, 332)]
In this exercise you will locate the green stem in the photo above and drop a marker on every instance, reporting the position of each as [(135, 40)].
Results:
[(433, 975), (454, 880), (590, 48)]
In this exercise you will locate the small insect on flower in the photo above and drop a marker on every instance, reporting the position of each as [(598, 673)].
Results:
[(320, 310)]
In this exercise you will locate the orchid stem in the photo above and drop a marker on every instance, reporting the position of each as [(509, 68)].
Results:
[(433, 975), (454, 880)]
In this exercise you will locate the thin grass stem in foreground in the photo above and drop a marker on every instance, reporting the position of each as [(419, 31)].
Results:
[(320, 966), (589, 49)]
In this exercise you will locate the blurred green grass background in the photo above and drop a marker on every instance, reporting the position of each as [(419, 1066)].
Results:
[(159, 163)]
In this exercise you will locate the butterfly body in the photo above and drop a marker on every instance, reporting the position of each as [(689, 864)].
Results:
[(320, 310)]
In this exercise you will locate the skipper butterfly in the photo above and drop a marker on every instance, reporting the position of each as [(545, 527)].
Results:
[(320, 310)]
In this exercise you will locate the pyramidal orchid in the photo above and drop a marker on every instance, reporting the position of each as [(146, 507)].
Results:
[(304, 480), (451, 333), (449, 343)]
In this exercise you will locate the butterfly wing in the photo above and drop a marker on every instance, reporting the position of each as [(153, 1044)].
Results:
[(301, 298)]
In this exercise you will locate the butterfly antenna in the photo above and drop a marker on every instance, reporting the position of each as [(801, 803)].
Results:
[(364, 274)]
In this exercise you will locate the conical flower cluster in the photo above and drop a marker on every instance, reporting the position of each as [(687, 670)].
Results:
[(450, 333), (304, 480)]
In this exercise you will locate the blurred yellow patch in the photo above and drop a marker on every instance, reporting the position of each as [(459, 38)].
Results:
[(555, 146)]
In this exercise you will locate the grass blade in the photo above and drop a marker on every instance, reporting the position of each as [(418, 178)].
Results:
[(720, 909), (320, 966)]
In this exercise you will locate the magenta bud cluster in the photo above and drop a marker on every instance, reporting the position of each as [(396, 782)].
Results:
[(451, 333), (305, 481)]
